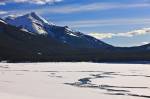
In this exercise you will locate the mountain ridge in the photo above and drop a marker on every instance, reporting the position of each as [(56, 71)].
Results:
[(34, 23), (17, 43)]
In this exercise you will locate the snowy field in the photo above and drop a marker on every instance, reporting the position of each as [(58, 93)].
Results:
[(74, 81)]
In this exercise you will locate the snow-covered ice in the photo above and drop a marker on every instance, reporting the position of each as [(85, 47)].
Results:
[(74, 81)]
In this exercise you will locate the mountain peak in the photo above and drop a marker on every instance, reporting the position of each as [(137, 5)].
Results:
[(34, 16), (32, 22), (34, 13)]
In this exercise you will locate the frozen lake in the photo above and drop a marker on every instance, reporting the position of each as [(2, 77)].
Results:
[(74, 81)]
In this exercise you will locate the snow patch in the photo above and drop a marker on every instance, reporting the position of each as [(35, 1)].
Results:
[(23, 29), (73, 35), (3, 21)]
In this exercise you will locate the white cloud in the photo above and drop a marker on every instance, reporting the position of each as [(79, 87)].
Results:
[(37, 1), (142, 31), (101, 35), (143, 43), (73, 8), (2, 3), (3, 12), (31, 1), (106, 22), (92, 7)]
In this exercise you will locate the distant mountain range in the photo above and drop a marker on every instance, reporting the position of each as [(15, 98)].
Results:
[(31, 38)]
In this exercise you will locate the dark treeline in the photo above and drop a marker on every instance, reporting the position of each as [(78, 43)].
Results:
[(17, 45)]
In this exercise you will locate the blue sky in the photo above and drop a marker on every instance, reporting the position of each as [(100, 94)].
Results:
[(117, 22)]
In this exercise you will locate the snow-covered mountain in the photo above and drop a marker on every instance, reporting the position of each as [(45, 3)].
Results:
[(30, 22), (37, 25), (21, 41)]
